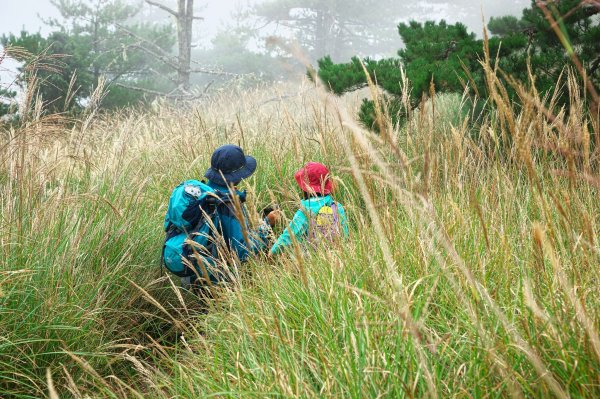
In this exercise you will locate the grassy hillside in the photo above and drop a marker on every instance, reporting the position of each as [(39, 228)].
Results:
[(471, 271)]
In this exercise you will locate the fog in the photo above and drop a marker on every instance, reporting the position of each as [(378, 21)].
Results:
[(29, 14), (222, 20)]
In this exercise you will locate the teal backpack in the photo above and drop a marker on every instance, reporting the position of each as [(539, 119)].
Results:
[(190, 216)]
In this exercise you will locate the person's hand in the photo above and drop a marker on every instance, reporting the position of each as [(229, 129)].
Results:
[(274, 217), (268, 210)]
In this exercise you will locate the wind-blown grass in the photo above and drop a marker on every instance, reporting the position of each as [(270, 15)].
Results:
[(471, 270)]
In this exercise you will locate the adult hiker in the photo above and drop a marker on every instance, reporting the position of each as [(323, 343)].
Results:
[(319, 218), (208, 231)]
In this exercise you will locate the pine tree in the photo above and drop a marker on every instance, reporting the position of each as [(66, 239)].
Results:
[(57, 73), (93, 40), (433, 52), (448, 55), (336, 28)]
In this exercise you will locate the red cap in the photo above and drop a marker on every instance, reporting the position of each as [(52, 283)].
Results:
[(314, 177)]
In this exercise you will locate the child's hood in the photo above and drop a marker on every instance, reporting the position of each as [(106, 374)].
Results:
[(315, 203)]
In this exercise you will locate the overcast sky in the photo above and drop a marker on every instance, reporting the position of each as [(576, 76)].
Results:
[(16, 14)]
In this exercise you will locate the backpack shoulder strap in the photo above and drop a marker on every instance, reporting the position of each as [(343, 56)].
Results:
[(336, 214)]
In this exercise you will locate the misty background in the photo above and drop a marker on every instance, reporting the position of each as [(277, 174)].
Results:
[(220, 16), (230, 41), (28, 14)]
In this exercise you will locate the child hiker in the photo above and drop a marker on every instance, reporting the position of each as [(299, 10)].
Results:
[(319, 217)]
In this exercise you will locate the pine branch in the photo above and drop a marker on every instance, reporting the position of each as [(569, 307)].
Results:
[(161, 55), (185, 96), (157, 53), (214, 72), (168, 60), (163, 7), (170, 10)]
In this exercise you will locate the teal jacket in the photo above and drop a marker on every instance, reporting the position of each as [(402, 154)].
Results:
[(300, 223), (231, 228)]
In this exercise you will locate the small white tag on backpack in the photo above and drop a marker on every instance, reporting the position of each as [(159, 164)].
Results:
[(193, 191)]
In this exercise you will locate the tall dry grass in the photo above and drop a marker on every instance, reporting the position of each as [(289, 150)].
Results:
[(471, 270)]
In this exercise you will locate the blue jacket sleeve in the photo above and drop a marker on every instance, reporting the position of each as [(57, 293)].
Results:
[(234, 236), (298, 227)]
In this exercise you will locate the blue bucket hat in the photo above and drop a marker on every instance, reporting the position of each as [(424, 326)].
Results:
[(230, 163)]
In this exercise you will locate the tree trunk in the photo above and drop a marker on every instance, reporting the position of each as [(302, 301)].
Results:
[(324, 35), (96, 48), (185, 19), (184, 15), (320, 35)]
